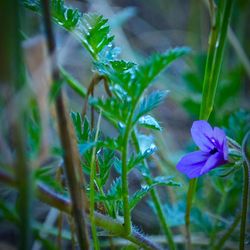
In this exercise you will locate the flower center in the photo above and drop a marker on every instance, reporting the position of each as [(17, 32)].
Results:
[(213, 151)]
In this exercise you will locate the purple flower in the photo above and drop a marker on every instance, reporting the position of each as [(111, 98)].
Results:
[(213, 150)]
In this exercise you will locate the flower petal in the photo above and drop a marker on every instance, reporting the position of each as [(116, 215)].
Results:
[(202, 133), (219, 137), (191, 164), (213, 161)]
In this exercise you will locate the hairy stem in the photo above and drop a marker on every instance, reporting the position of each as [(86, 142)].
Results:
[(62, 203), (157, 203), (245, 191), (125, 194)]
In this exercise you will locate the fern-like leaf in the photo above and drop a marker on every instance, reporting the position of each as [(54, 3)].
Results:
[(148, 103), (141, 193), (91, 30)]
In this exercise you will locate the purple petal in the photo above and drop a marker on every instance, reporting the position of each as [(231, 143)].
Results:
[(202, 133), (213, 161), (221, 142), (191, 164), (219, 137)]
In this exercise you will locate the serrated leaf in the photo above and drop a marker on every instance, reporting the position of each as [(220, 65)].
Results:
[(82, 127), (133, 201), (148, 103), (156, 63), (115, 190), (121, 75), (149, 122), (105, 162), (238, 124), (116, 110), (137, 159), (111, 143), (91, 29)]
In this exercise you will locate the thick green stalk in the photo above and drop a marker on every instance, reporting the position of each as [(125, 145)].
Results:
[(245, 191), (92, 190), (213, 66), (157, 203)]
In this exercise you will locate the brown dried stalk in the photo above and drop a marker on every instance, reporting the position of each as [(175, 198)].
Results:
[(72, 166)]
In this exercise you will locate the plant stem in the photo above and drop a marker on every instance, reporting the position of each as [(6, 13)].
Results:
[(92, 190), (12, 83), (157, 203), (72, 166), (62, 203), (245, 191), (190, 195), (213, 66), (218, 212), (125, 194), (227, 234)]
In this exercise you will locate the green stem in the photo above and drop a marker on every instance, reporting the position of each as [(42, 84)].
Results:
[(92, 190), (218, 212), (63, 204), (246, 174), (156, 201), (190, 195), (12, 82), (211, 77), (162, 217), (125, 194), (105, 202), (227, 234)]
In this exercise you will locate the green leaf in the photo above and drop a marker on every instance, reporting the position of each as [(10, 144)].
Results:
[(238, 124), (121, 75), (113, 108), (91, 30), (141, 193), (129, 79), (8, 212), (137, 159), (115, 190), (148, 103), (156, 63), (105, 162), (46, 175), (149, 122), (82, 127), (84, 147)]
